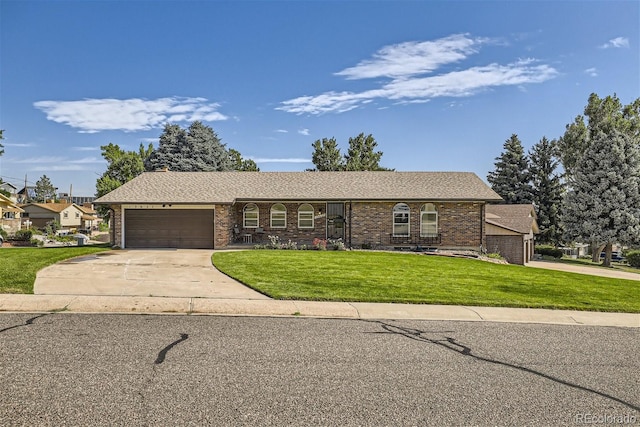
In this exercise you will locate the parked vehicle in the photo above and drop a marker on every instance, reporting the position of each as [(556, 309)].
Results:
[(615, 256)]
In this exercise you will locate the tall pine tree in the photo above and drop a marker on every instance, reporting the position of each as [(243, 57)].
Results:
[(511, 178), (547, 189)]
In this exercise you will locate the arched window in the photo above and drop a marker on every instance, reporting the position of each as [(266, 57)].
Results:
[(250, 216), (278, 216), (401, 220), (428, 220), (305, 216)]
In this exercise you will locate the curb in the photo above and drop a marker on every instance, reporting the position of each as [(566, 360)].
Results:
[(289, 308)]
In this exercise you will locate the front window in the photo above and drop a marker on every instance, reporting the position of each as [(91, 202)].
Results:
[(401, 220), (428, 220), (305, 216), (278, 216), (250, 216)]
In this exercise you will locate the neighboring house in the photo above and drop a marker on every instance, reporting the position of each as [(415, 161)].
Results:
[(89, 216), (364, 209), (26, 194), (511, 230), (11, 189), (39, 214), (9, 214)]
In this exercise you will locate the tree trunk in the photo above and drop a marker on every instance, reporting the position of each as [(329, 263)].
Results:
[(607, 255), (596, 249)]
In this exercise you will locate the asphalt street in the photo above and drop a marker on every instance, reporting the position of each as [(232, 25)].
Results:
[(134, 370)]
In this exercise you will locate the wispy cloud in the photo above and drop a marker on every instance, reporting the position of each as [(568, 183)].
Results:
[(20, 145), (86, 148), (282, 160), (304, 132), (128, 115), (592, 72), (410, 69), (282, 131), (618, 42)]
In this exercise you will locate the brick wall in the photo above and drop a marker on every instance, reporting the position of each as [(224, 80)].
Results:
[(303, 236), (116, 225), (223, 226), (460, 225)]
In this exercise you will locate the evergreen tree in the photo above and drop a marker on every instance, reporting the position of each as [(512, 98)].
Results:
[(511, 179), (602, 205), (1, 146), (44, 190), (240, 164), (326, 155), (361, 155), (547, 190), (197, 149)]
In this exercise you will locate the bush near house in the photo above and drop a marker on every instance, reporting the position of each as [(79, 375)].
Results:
[(549, 251), (633, 258)]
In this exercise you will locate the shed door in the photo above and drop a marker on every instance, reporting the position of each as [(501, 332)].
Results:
[(168, 228)]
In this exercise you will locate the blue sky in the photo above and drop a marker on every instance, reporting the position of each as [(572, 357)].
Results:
[(440, 84)]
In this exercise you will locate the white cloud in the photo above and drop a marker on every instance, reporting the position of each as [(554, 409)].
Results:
[(410, 67), (20, 145), (592, 72), (128, 115), (283, 160), (304, 132), (412, 58), (282, 131), (59, 168), (43, 159), (618, 42)]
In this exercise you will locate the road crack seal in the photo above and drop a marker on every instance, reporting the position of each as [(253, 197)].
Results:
[(26, 323), (451, 344), (164, 351)]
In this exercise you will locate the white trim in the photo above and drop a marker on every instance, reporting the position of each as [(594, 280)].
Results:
[(122, 238)]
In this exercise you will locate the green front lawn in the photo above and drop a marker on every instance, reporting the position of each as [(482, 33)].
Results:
[(410, 278), (18, 266)]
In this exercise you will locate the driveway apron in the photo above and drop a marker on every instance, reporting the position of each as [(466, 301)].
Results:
[(157, 272)]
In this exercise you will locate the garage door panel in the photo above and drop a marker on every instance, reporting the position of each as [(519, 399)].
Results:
[(170, 228)]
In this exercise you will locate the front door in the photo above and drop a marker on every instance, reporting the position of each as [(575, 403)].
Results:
[(335, 221)]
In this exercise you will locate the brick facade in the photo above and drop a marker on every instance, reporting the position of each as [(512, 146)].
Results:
[(512, 248), (460, 225)]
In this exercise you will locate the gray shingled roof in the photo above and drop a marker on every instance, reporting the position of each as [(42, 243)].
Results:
[(520, 218), (229, 187)]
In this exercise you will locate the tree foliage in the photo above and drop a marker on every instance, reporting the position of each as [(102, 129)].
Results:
[(511, 179), (361, 155), (326, 155), (547, 190), (196, 149), (1, 146), (44, 190), (601, 114), (602, 205), (240, 164)]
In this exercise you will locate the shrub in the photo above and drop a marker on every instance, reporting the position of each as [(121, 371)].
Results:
[(320, 244), (549, 251), (3, 233), (494, 255), (336, 245), (23, 235), (633, 258)]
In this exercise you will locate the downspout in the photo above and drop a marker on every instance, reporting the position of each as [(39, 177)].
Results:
[(350, 214)]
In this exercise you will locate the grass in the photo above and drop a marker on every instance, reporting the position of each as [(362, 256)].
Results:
[(18, 266), (409, 278)]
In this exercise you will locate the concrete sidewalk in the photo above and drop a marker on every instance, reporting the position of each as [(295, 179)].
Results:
[(266, 307)]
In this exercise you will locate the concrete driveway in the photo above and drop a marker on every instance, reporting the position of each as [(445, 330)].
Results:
[(593, 271), (157, 272)]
